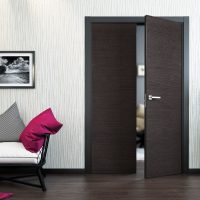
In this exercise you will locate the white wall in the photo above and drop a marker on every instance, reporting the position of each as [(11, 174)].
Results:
[(55, 30), (140, 61)]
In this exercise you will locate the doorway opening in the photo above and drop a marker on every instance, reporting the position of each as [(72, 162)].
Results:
[(111, 154), (140, 99)]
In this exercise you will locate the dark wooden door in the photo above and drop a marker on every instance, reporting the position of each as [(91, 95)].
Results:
[(113, 98), (163, 79)]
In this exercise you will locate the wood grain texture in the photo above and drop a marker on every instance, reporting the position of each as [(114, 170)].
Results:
[(113, 131), (164, 79), (109, 187)]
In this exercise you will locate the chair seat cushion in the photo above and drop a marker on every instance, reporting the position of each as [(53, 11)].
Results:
[(15, 153)]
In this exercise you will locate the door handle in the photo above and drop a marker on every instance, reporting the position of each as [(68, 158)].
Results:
[(151, 97)]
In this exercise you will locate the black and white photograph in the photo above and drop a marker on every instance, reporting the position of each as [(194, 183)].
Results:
[(16, 69)]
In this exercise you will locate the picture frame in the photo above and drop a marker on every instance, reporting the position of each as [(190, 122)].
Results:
[(17, 69), (140, 70)]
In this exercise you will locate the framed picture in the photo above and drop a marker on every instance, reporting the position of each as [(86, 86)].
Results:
[(140, 70), (17, 69)]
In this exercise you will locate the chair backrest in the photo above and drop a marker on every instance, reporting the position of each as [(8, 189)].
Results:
[(44, 150)]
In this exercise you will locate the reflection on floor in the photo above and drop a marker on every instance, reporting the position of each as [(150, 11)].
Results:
[(140, 153), (140, 169), (140, 163)]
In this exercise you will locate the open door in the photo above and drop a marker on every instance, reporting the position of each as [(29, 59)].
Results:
[(163, 97)]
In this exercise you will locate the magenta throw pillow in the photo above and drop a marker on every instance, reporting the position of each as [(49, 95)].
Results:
[(32, 136), (5, 195)]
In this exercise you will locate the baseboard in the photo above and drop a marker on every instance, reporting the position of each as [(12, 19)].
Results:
[(47, 170), (193, 171), (64, 171)]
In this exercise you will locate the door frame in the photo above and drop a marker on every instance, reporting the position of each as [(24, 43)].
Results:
[(88, 83)]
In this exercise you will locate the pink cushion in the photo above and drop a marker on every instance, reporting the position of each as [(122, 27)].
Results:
[(32, 136), (5, 195)]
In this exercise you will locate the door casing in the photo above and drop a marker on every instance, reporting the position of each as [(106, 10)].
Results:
[(185, 83)]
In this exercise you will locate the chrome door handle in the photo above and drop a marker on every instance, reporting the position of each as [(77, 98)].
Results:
[(151, 97)]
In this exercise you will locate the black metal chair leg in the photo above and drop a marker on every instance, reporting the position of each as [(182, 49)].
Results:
[(41, 179), (37, 168), (14, 179), (43, 172)]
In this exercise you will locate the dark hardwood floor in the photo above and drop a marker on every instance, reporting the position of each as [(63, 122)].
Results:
[(109, 187)]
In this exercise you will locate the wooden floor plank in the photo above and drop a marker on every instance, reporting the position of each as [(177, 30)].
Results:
[(109, 187)]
